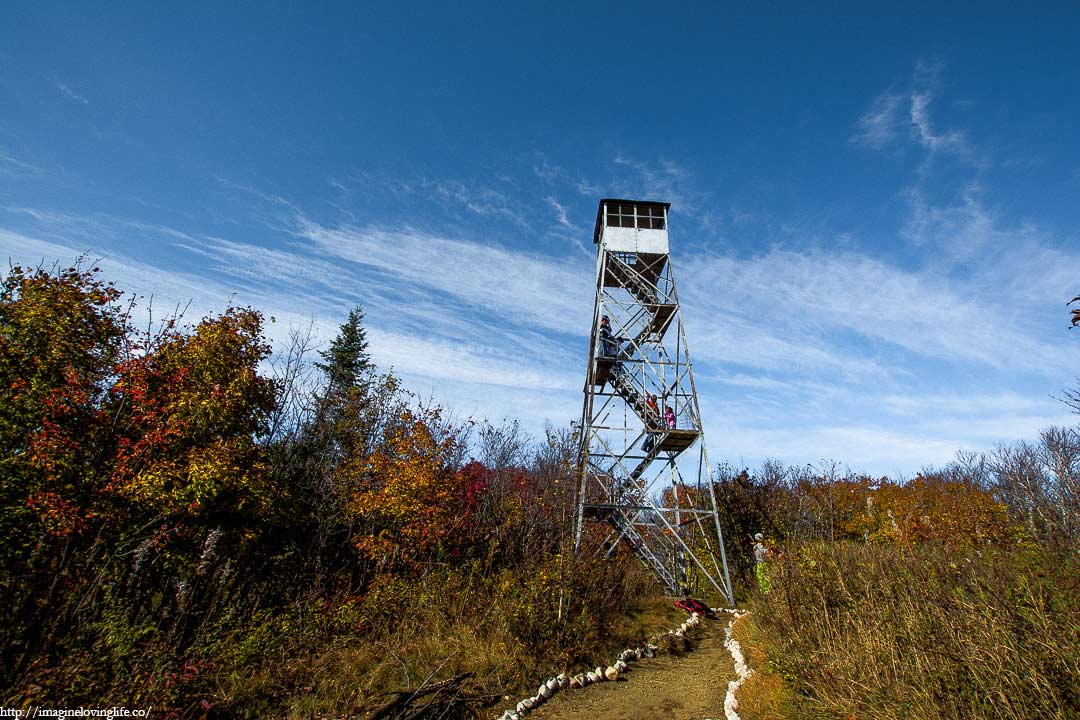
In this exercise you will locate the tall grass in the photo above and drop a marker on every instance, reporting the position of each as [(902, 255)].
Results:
[(927, 630), (500, 632)]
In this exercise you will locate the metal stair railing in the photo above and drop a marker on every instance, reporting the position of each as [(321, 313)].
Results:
[(632, 281), (641, 550), (652, 326), (650, 296), (650, 455), (629, 392)]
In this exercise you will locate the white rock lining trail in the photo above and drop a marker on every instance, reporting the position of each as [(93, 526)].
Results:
[(742, 672), (562, 681)]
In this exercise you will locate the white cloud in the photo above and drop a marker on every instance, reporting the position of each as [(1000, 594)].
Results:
[(71, 94), (891, 112), (954, 142), (1016, 266), (800, 354), (19, 249), (861, 447), (167, 289), (13, 166), (560, 214), (483, 201), (964, 230), (982, 433), (865, 426), (879, 125), (665, 181), (796, 307), (722, 332), (519, 287), (466, 362), (964, 405)]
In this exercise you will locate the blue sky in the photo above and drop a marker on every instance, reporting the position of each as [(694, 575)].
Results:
[(874, 211)]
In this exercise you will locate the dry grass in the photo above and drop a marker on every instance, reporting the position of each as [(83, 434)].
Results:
[(506, 632), (764, 695), (880, 632)]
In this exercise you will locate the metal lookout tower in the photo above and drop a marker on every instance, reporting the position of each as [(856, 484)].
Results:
[(644, 472)]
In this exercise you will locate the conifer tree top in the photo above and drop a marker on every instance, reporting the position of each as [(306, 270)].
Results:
[(347, 360)]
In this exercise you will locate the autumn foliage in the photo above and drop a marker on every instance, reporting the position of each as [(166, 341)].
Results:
[(62, 336), (410, 505), (176, 511), (916, 599), (189, 412), (190, 521)]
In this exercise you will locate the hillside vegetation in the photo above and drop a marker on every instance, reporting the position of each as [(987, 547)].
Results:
[(951, 596), (191, 523), (186, 526)]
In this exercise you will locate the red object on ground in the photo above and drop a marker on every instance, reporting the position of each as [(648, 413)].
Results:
[(691, 605)]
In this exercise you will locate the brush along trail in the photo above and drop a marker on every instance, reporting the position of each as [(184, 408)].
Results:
[(673, 685)]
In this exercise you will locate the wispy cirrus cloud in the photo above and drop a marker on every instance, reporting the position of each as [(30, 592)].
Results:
[(725, 333), (70, 94), (808, 304), (463, 199), (894, 116), (1018, 265), (478, 199), (985, 284), (969, 405), (13, 166), (861, 445), (553, 174), (560, 214), (518, 286), (953, 141), (881, 123), (879, 441), (660, 180), (854, 347), (159, 287)]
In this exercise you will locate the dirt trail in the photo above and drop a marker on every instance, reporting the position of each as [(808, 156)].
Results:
[(691, 687)]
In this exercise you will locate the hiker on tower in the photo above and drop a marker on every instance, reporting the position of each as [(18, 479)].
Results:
[(652, 409), (609, 344), (652, 420)]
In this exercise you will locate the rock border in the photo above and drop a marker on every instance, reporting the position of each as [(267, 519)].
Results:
[(562, 681), (742, 672)]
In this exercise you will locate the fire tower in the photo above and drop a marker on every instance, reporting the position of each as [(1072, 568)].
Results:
[(644, 472)]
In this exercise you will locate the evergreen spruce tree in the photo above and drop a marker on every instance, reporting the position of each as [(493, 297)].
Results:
[(347, 362), (340, 427)]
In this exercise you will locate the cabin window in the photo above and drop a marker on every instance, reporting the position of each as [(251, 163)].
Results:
[(628, 215), (620, 215), (651, 217)]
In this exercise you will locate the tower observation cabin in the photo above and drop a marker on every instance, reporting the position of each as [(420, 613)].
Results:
[(644, 480)]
